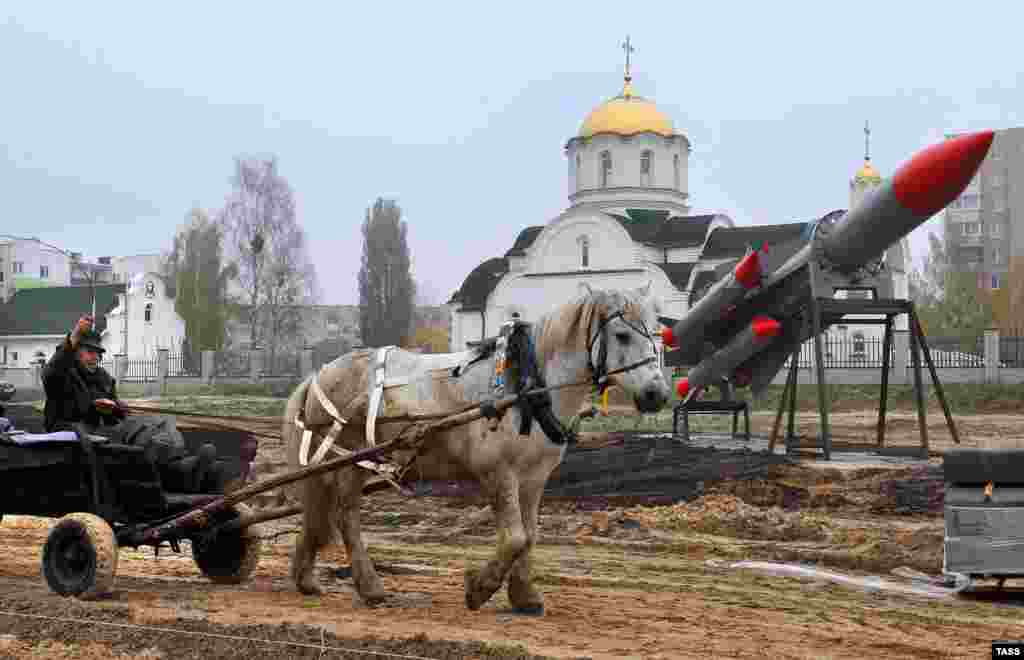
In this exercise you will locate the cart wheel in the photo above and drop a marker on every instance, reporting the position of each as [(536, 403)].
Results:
[(80, 556), (232, 557)]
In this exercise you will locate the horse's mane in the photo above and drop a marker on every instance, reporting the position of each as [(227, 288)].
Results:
[(568, 327)]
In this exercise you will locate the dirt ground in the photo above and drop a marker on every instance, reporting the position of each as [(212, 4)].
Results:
[(620, 582)]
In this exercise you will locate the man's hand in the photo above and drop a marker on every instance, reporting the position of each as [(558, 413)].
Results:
[(105, 406), (83, 326)]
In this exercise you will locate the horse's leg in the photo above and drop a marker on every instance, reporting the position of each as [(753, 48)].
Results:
[(367, 582), (319, 503), (482, 584), (521, 592)]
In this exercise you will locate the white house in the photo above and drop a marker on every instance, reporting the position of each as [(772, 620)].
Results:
[(135, 323), (28, 263)]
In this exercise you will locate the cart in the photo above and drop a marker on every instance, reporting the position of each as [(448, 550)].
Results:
[(105, 496)]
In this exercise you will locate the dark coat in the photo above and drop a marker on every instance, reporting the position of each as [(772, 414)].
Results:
[(70, 392)]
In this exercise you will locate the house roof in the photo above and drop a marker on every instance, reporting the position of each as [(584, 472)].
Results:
[(678, 273), (55, 310), (727, 242), (479, 284), (524, 240), (659, 228)]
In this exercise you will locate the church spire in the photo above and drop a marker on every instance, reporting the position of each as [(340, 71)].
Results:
[(627, 86)]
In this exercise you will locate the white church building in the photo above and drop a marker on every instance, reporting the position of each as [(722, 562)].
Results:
[(628, 223)]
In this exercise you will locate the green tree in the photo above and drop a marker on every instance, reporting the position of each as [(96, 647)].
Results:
[(387, 291), (949, 303), (197, 278)]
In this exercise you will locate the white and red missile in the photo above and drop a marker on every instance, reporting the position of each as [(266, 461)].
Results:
[(723, 362), (719, 300), (919, 189)]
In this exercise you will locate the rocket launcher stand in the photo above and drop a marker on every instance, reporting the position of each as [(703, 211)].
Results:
[(824, 310)]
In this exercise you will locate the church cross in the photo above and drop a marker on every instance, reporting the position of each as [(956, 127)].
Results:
[(629, 49), (867, 138)]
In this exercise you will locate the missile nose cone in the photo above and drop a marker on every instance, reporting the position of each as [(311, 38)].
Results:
[(765, 327), (683, 388), (935, 176), (748, 270), (667, 337)]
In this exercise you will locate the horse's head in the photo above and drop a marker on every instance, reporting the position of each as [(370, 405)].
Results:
[(619, 329)]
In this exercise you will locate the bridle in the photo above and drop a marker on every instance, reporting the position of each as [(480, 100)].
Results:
[(599, 372)]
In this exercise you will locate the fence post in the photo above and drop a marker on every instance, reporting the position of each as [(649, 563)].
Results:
[(161, 369), (207, 367), (255, 363), (901, 355), (120, 366), (305, 362), (991, 347)]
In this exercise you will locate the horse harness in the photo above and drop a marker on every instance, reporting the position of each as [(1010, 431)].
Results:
[(386, 471), (532, 404)]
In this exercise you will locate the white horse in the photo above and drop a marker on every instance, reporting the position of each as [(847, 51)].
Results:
[(603, 332)]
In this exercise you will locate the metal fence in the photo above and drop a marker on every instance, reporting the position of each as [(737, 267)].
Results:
[(282, 364), (232, 364), (1011, 350), (866, 353), (141, 369), (183, 365)]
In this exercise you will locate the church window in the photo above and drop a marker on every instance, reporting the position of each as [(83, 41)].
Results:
[(606, 167), (149, 312), (858, 344), (675, 167), (585, 252), (645, 167)]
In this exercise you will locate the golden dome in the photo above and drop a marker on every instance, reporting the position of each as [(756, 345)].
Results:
[(626, 114), (868, 173)]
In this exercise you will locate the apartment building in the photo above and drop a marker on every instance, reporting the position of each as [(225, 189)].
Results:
[(984, 227)]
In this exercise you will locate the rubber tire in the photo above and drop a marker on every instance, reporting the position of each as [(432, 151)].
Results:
[(963, 465), (94, 538), (232, 558)]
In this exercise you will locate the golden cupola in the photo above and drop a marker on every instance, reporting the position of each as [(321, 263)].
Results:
[(867, 173), (626, 114)]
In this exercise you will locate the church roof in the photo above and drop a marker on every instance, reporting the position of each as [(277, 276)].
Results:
[(524, 240), (54, 310), (658, 228), (727, 242), (479, 284), (678, 273)]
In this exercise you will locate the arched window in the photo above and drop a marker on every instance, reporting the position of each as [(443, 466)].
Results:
[(675, 167), (584, 252), (606, 168), (646, 167), (858, 344), (149, 312)]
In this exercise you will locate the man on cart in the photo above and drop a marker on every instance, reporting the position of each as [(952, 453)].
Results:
[(80, 392)]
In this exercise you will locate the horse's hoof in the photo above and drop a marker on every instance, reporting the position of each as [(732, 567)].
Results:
[(374, 599), (309, 589), (534, 609)]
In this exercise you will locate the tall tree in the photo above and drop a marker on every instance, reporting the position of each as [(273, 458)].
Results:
[(274, 269), (387, 290), (197, 278)]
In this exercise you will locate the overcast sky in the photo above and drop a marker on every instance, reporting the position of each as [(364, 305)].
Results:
[(115, 121)]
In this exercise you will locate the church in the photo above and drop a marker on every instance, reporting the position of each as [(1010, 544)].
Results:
[(628, 223)]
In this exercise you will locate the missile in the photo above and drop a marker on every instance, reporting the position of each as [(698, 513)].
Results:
[(726, 292), (745, 344), (919, 189)]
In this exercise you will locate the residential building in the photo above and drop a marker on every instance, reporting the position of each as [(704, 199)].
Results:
[(984, 227)]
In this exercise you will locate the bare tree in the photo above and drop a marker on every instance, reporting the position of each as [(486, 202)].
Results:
[(269, 246)]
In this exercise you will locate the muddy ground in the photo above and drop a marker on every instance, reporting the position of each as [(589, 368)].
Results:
[(640, 577)]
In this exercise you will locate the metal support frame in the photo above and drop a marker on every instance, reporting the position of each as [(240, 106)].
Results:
[(829, 310)]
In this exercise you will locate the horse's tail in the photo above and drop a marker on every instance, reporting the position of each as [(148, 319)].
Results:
[(316, 495), (290, 433)]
